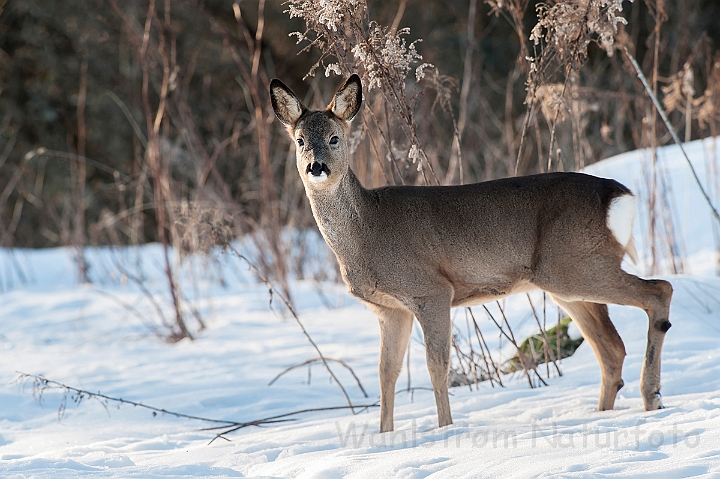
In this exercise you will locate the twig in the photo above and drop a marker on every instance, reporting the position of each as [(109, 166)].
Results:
[(472, 355), (289, 307), (671, 129), (547, 348), (520, 354), (79, 237), (129, 117), (314, 360), (481, 340), (42, 151), (557, 336), (512, 336), (42, 384), (131, 309), (140, 283), (276, 419)]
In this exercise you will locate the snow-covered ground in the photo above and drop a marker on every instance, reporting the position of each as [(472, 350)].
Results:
[(97, 337)]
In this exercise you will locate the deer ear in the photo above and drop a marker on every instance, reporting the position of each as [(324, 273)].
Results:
[(286, 105), (348, 99)]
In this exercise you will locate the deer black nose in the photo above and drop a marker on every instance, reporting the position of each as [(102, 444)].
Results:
[(317, 168)]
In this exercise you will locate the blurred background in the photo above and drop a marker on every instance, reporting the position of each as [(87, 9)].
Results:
[(124, 122)]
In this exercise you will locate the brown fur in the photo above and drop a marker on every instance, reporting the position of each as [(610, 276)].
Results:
[(418, 251)]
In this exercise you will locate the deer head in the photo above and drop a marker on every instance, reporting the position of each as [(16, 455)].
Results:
[(320, 136)]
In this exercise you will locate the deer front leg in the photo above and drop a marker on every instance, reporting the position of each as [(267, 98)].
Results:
[(434, 318), (395, 329)]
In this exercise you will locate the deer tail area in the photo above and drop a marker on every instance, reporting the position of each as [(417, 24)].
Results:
[(620, 220)]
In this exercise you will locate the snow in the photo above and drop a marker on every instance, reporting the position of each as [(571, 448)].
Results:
[(99, 337)]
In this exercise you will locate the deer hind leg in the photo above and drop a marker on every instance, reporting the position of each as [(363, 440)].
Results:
[(599, 331), (395, 329), (660, 292), (434, 318), (653, 296)]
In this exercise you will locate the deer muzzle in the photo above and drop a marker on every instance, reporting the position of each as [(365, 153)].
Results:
[(317, 172)]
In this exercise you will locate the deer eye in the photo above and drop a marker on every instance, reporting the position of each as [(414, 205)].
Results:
[(300, 142), (334, 140)]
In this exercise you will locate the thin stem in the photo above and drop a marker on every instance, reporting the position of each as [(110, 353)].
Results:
[(313, 360), (671, 129), (544, 335), (289, 307)]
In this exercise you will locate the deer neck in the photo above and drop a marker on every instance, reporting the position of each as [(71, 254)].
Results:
[(341, 211)]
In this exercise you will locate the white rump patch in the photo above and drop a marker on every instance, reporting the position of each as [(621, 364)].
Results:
[(317, 179), (620, 219)]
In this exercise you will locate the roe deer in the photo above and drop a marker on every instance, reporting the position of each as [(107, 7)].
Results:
[(418, 251)]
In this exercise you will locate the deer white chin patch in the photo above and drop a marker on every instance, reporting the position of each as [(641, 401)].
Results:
[(318, 179)]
